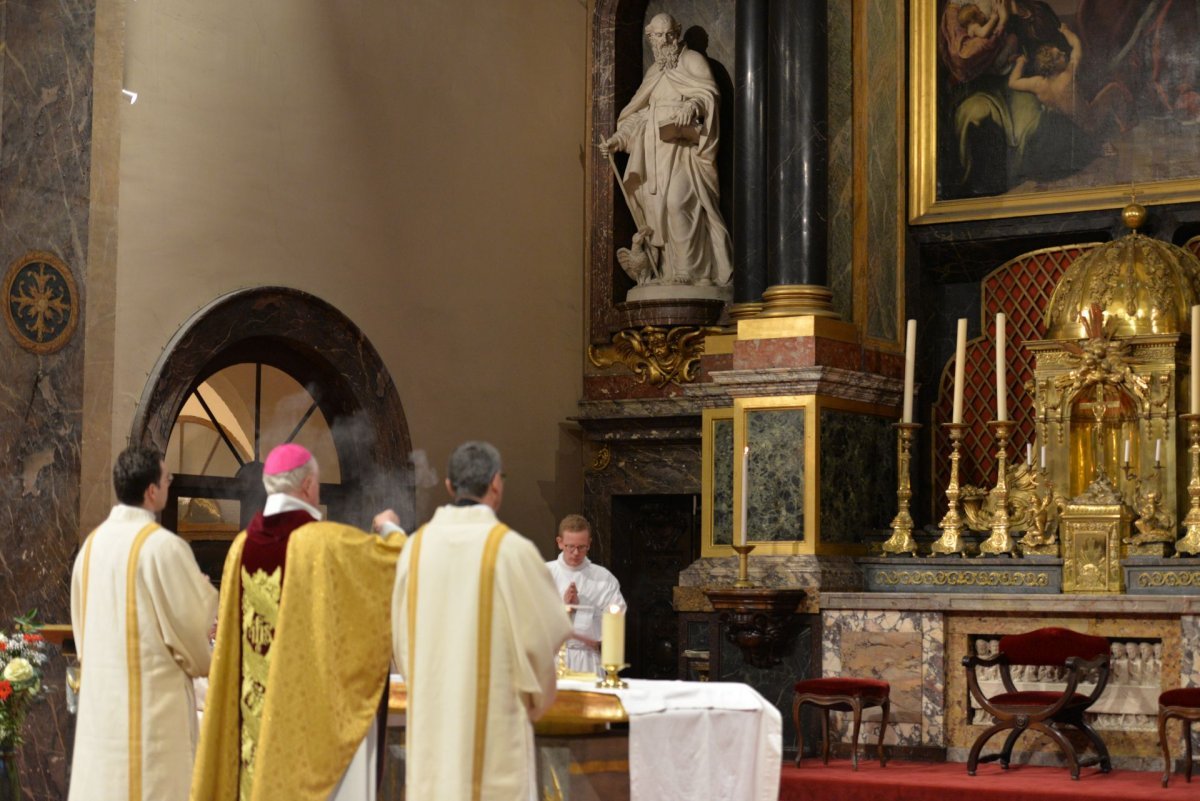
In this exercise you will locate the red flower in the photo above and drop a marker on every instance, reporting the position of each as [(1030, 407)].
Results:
[(5, 690), (3, 646), (33, 637)]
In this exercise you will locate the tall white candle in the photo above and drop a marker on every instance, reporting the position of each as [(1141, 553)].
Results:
[(910, 362), (1195, 405), (612, 636), (1157, 450), (1001, 380), (1043, 457), (960, 365), (742, 533), (1126, 452)]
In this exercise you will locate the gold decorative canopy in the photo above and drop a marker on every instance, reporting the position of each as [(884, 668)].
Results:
[(1142, 286)]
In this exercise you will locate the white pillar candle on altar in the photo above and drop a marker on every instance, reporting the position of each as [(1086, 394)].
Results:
[(910, 362), (1195, 404), (1043, 457), (612, 636), (1126, 452), (1001, 379), (743, 534), (1157, 450), (960, 365), (1029, 453)]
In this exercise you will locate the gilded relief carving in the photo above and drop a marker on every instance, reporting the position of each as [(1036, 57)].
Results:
[(655, 355)]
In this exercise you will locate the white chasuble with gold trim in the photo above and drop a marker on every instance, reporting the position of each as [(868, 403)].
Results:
[(142, 635), (473, 693)]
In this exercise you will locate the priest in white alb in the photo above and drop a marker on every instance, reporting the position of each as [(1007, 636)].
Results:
[(476, 626), (141, 611), (586, 588)]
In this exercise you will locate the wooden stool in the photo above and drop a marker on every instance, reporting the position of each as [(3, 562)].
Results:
[(840, 695), (1182, 703)]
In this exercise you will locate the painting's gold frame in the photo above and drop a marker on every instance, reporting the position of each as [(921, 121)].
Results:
[(923, 205)]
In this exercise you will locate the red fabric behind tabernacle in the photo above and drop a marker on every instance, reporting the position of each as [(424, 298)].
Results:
[(924, 781), (1051, 646)]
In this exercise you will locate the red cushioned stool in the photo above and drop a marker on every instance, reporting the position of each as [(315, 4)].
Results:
[(1182, 703), (840, 695)]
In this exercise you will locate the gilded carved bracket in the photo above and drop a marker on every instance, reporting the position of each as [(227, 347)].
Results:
[(655, 354)]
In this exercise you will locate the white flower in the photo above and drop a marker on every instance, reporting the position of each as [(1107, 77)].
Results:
[(19, 671)]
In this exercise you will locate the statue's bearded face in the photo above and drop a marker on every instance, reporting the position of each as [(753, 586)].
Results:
[(665, 46)]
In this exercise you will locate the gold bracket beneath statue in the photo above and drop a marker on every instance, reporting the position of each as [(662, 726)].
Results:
[(902, 540), (656, 355)]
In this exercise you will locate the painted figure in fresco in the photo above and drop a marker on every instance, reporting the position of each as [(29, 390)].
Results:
[(1051, 79), (670, 131), (1114, 76)]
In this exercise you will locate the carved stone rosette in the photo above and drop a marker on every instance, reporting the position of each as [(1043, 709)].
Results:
[(654, 354)]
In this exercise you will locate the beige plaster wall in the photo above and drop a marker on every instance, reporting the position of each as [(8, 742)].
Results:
[(417, 164)]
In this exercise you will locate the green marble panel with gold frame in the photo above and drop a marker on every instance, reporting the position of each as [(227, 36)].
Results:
[(716, 525), (785, 488)]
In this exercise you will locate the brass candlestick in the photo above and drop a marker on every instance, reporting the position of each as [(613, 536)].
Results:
[(952, 528), (743, 578), (1000, 542), (902, 540), (1189, 543), (611, 680)]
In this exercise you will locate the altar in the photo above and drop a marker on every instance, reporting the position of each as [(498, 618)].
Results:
[(648, 741)]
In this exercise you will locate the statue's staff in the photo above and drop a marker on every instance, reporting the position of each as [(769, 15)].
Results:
[(634, 209)]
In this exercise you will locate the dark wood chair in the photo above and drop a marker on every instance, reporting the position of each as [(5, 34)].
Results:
[(838, 694), (1018, 711), (1183, 704)]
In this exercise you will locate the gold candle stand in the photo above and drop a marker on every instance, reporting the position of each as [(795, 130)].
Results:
[(952, 528), (611, 680), (902, 540), (1000, 542), (1189, 543), (743, 577)]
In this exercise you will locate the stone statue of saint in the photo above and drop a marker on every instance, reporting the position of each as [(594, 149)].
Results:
[(670, 131)]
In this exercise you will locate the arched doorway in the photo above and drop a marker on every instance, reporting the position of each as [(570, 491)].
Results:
[(218, 373)]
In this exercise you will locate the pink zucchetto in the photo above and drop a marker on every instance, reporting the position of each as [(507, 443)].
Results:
[(285, 458)]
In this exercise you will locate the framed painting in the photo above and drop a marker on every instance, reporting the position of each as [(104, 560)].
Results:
[(1020, 107)]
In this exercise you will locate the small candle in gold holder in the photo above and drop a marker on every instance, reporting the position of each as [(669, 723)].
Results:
[(612, 646)]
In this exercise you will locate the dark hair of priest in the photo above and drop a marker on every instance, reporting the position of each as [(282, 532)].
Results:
[(136, 469)]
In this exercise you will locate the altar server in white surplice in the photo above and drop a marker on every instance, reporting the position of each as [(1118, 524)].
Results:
[(476, 624), (141, 611), (587, 587)]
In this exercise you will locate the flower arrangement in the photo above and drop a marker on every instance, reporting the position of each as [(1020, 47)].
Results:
[(22, 661)]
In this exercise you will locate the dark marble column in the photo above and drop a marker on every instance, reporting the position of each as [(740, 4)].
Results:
[(750, 157), (797, 159)]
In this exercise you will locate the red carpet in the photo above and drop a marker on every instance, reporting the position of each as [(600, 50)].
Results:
[(923, 781)]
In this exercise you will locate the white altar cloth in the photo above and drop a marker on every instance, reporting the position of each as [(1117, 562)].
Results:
[(699, 740)]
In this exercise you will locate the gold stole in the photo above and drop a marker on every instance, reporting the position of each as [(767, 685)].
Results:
[(260, 617), (133, 654), (483, 644)]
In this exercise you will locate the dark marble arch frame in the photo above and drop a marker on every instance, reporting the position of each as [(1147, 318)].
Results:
[(318, 346)]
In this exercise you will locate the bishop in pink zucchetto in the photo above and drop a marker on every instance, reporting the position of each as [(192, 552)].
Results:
[(286, 458)]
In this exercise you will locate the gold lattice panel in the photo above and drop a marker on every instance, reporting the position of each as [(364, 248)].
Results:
[(1020, 288)]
